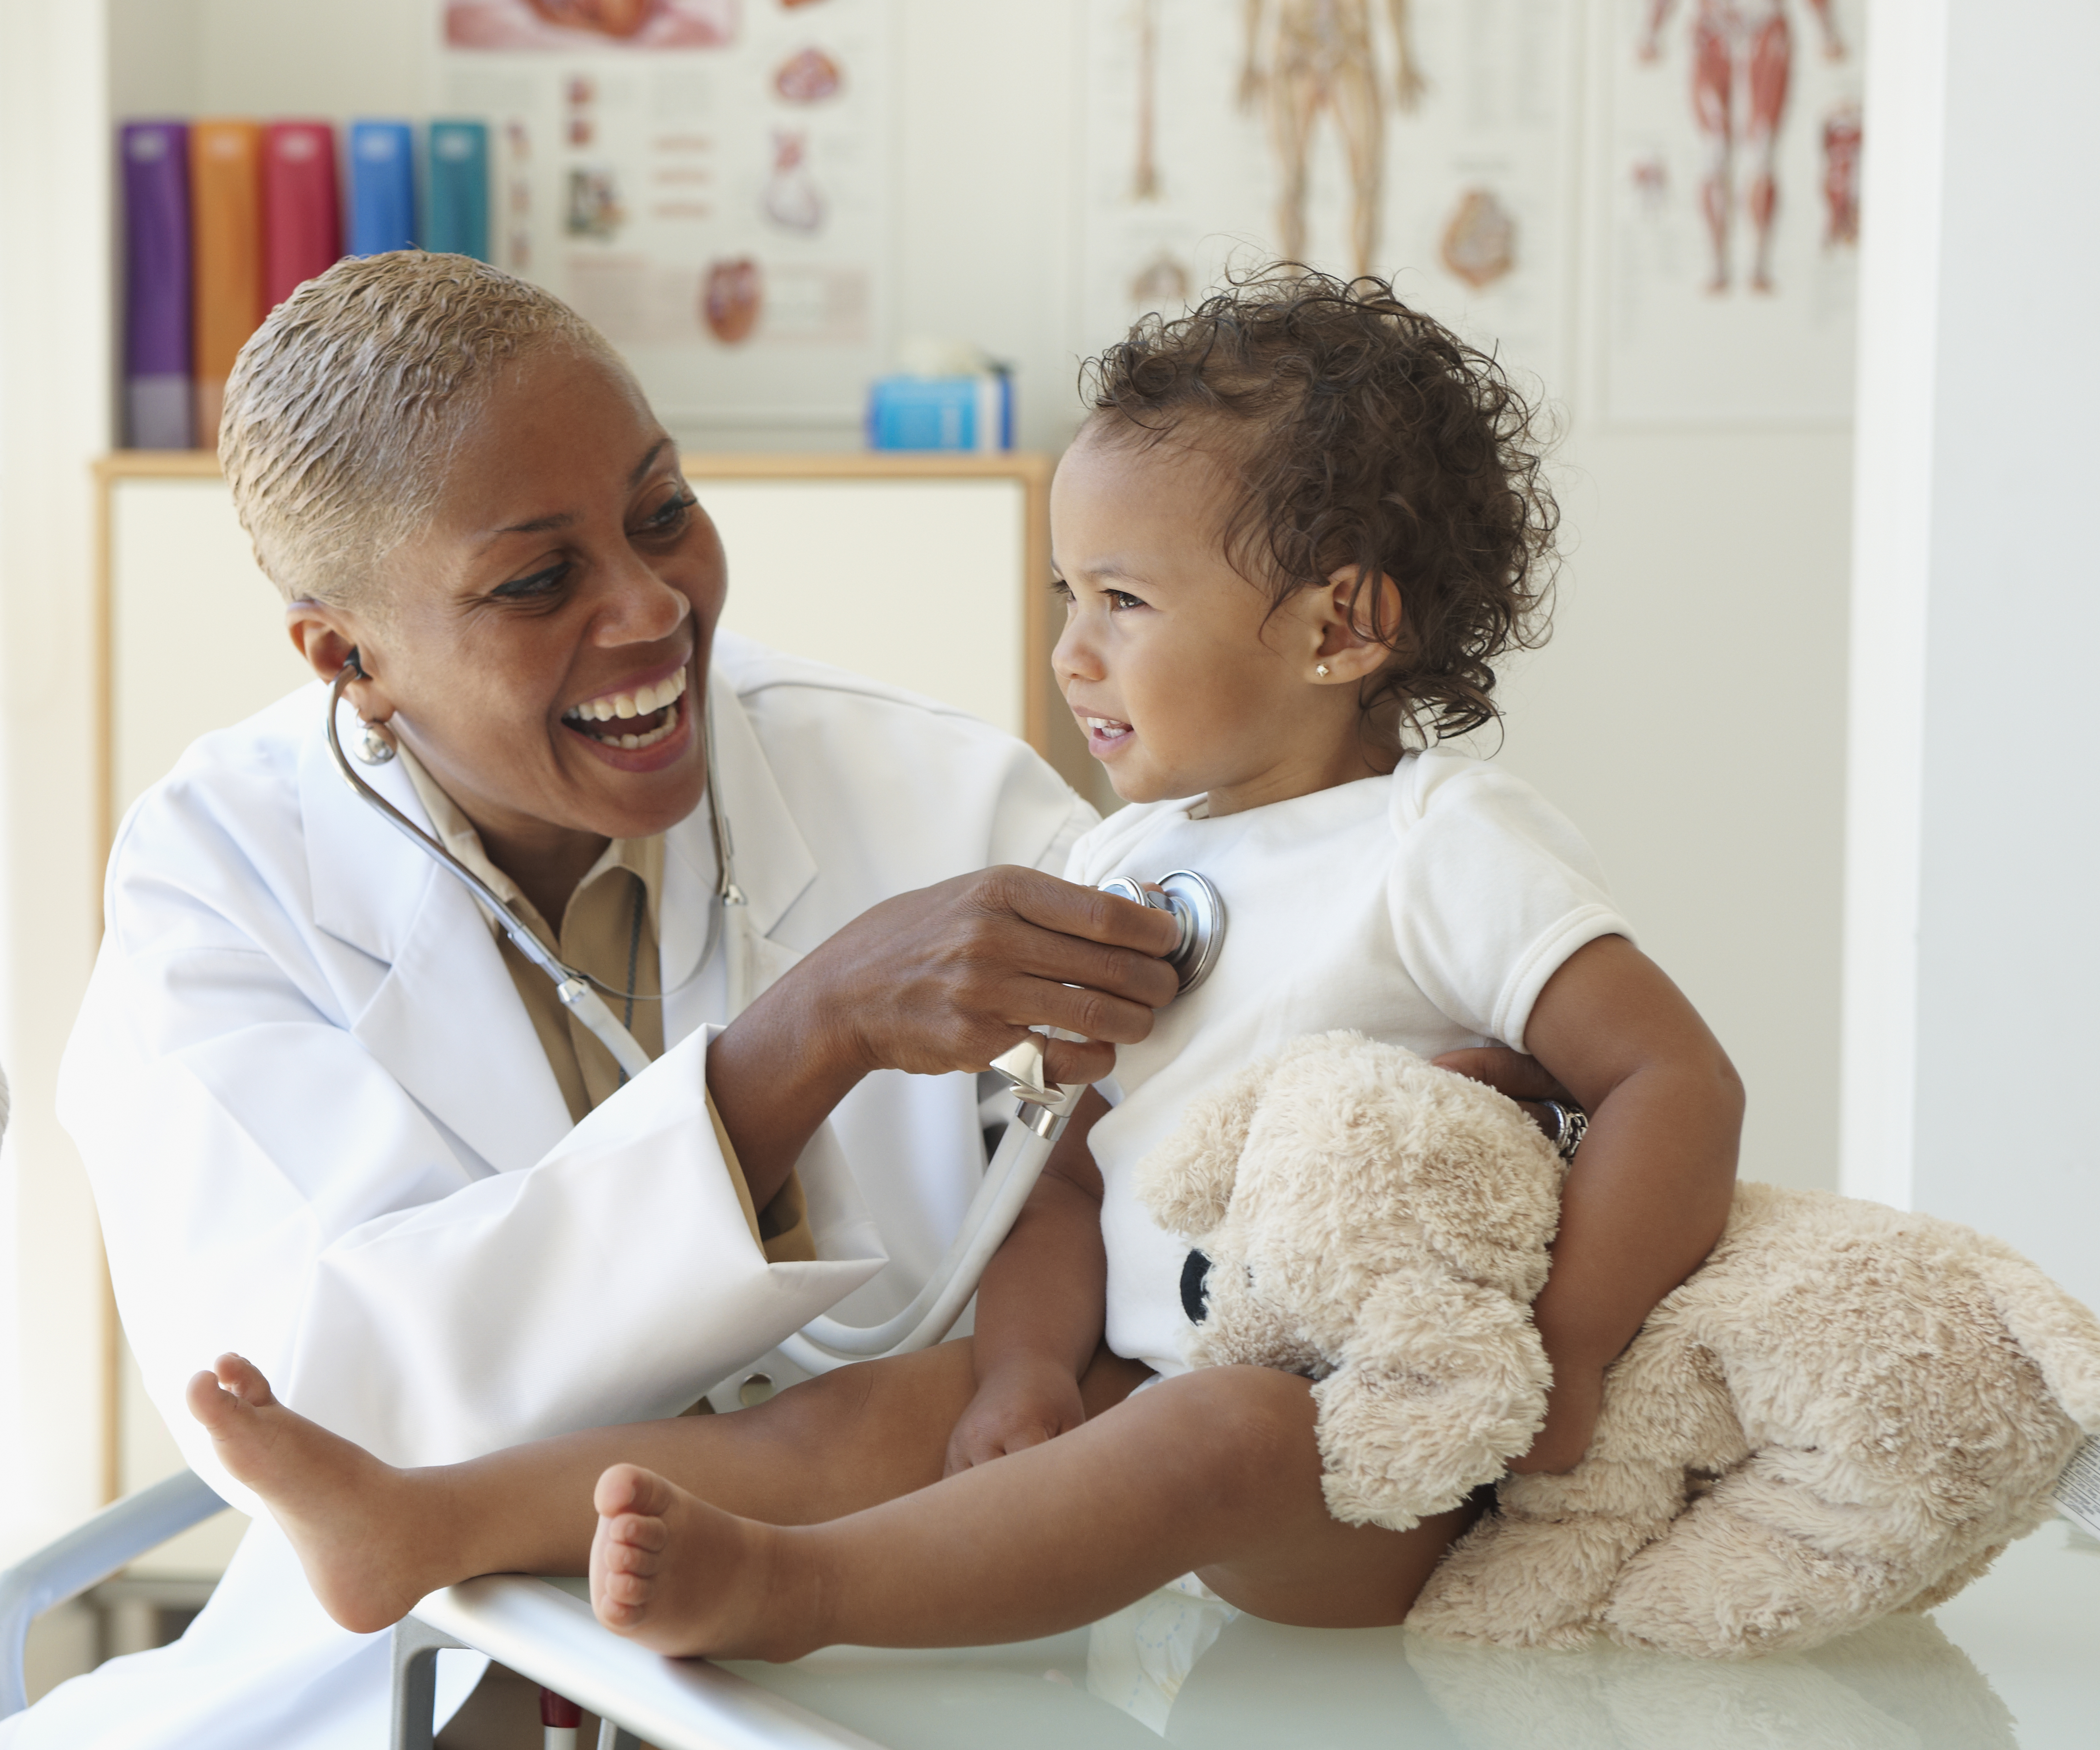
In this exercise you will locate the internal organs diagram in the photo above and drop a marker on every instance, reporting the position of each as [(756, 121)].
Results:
[(809, 77), (792, 199), (1480, 243), (1306, 57), (611, 18), (731, 298), (1742, 61)]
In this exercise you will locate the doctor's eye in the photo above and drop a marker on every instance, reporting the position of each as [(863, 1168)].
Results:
[(670, 518), (540, 585)]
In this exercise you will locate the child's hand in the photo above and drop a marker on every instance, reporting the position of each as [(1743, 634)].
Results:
[(1024, 1403), (1571, 1419)]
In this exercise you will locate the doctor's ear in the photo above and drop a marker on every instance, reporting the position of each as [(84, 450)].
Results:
[(1358, 622), (321, 637)]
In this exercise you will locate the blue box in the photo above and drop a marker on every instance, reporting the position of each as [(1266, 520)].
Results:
[(950, 413)]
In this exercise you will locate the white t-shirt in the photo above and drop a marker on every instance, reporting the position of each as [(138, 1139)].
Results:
[(1427, 910)]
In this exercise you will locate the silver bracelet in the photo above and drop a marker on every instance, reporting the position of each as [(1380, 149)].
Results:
[(1571, 1124)]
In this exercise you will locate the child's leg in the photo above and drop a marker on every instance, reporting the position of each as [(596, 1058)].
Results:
[(374, 1539), (1217, 1471)]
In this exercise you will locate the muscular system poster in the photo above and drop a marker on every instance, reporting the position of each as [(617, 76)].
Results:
[(706, 180), (1729, 159), (1431, 141)]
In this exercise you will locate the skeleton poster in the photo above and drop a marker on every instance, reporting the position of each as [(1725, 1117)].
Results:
[(705, 180), (1429, 141), (1731, 161)]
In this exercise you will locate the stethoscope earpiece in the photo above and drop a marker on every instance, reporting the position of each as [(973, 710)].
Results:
[(375, 744)]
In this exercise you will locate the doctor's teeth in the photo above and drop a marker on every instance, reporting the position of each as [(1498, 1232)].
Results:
[(638, 703), (631, 740)]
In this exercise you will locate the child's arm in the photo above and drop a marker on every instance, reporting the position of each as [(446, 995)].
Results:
[(1648, 1192), (1039, 1309)]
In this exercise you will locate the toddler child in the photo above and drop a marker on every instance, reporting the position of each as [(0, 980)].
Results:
[(1295, 532)]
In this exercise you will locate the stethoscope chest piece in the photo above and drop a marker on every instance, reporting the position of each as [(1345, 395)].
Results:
[(1197, 907)]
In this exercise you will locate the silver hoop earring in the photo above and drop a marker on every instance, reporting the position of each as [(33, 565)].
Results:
[(1323, 671), (374, 745)]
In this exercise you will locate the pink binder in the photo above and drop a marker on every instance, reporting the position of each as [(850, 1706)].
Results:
[(301, 211)]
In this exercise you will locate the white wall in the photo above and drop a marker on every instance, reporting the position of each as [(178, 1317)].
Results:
[(1688, 713), (1970, 1012), (53, 420)]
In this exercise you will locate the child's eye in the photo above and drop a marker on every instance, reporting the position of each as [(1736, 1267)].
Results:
[(1120, 599), (1060, 590)]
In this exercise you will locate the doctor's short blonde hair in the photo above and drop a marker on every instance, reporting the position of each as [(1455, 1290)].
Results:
[(346, 406)]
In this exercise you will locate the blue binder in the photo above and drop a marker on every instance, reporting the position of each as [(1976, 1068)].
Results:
[(383, 186), (456, 215)]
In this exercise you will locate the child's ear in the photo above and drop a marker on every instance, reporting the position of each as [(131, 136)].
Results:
[(1358, 621)]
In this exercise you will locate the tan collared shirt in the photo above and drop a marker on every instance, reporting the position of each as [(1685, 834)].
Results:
[(608, 930)]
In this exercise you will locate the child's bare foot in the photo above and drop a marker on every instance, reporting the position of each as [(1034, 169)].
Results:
[(684, 1578), (366, 1552)]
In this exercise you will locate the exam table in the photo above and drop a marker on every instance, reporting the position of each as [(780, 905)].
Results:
[(2013, 1664)]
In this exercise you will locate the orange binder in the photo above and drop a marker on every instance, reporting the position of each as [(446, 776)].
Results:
[(226, 219)]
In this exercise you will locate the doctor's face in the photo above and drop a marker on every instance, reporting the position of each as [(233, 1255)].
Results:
[(542, 644)]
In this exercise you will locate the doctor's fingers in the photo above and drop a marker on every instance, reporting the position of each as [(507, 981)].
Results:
[(1083, 914), (1074, 1061), (1098, 1015)]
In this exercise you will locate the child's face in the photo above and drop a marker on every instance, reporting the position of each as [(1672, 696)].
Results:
[(1181, 679)]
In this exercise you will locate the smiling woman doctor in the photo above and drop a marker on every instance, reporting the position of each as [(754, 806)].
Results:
[(333, 1119)]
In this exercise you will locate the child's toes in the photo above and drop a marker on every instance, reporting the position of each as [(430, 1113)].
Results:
[(209, 1401), (243, 1379), (629, 1488), (632, 1544), (629, 1590)]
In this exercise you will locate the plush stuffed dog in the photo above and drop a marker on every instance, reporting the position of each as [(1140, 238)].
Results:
[(1845, 1411)]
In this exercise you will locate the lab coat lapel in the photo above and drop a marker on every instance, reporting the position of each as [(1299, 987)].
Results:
[(445, 1019), (773, 864)]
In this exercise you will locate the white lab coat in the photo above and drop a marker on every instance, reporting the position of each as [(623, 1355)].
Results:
[(321, 1132)]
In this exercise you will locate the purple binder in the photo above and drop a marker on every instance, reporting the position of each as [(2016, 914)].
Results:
[(156, 285)]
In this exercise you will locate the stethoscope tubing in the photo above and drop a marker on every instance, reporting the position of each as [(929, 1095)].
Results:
[(824, 1343)]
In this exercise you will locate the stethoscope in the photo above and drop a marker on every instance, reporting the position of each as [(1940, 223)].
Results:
[(1041, 1108)]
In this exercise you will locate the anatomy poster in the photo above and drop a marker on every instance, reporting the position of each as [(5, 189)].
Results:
[(1431, 141), (706, 180), (1732, 150)]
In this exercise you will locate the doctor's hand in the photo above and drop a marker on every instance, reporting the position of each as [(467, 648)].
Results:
[(950, 976), (942, 979)]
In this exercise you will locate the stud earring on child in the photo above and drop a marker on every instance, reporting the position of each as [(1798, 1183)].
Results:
[(1322, 671)]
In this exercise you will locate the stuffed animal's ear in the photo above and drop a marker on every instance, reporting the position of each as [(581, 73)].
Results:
[(1187, 1181), (1442, 1384)]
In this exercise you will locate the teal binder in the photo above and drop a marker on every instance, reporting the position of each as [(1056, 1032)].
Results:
[(455, 216)]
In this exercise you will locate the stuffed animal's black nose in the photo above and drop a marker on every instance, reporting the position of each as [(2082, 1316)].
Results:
[(1196, 1287)]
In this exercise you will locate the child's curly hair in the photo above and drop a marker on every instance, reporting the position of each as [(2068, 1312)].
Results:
[(1359, 433)]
